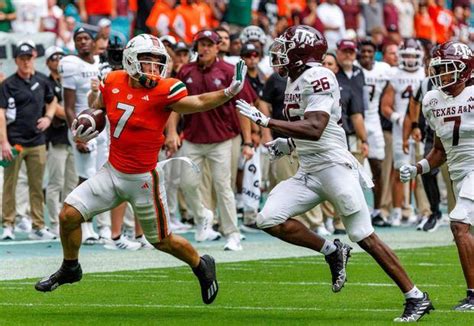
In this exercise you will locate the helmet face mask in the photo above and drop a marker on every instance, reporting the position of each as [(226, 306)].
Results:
[(279, 52), (451, 67), (139, 54), (445, 73)]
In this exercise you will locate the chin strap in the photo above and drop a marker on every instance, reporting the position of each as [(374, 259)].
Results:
[(147, 82)]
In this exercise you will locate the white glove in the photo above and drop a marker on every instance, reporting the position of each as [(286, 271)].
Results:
[(396, 118), (280, 147), (407, 172), (81, 135), (104, 69), (238, 80), (252, 113)]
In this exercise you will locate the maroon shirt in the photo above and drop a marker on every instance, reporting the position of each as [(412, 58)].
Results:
[(390, 16), (222, 123), (351, 10)]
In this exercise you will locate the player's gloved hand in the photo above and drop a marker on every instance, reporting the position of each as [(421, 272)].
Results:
[(238, 80), (81, 135), (104, 69), (279, 147), (407, 172), (396, 118), (252, 113)]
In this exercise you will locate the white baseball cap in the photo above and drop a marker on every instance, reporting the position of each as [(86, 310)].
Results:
[(52, 50)]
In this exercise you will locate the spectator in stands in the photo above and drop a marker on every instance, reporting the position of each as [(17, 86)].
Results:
[(238, 14), (373, 15), (443, 20), (390, 15), (424, 26), (406, 14), (91, 11), (461, 25), (7, 15), (53, 21), (27, 107), (209, 135), (235, 45), (160, 18), (186, 22), (143, 8), (28, 15), (309, 16), (333, 19), (62, 178), (351, 10)]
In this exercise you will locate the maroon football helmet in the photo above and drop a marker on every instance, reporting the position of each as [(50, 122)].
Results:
[(452, 64), (296, 47), (410, 55)]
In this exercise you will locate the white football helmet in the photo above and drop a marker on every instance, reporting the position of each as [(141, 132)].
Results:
[(140, 44), (410, 55), (253, 33)]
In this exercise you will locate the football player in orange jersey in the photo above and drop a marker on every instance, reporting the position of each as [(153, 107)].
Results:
[(138, 102)]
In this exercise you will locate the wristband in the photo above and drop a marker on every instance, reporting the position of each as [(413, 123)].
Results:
[(425, 166), (48, 117), (248, 144), (364, 141), (414, 125)]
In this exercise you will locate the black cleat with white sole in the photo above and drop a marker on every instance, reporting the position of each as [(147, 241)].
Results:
[(467, 304), (62, 276), (206, 274), (337, 263), (415, 309)]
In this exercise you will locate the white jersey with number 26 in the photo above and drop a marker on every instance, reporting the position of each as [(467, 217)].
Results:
[(317, 89)]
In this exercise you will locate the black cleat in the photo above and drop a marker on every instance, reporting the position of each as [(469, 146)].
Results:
[(415, 309), (379, 221), (433, 222), (465, 305), (337, 263), (206, 274), (62, 276)]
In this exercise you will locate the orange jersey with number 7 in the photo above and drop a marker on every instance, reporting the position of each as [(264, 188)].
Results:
[(137, 120)]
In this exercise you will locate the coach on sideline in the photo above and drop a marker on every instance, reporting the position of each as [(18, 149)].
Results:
[(23, 120)]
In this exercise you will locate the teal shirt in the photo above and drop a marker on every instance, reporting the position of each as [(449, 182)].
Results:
[(7, 8), (239, 12)]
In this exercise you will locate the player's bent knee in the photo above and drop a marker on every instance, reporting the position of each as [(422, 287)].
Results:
[(266, 223), (70, 216), (458, 229)]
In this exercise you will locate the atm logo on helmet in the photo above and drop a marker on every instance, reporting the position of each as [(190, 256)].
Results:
[(303, 36), (463, 50)]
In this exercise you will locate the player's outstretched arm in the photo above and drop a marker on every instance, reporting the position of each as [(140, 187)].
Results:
[(211, 100), (311, 127)]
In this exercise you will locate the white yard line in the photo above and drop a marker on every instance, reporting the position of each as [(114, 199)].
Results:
[(200, 307)]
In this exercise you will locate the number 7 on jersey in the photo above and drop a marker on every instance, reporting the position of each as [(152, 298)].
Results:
[(128, 110)]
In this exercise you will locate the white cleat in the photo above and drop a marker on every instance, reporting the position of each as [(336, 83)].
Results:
[(122, 244), (233, 242), (42, 234), (144, 243), (89, 237), (105, 233), (24, 225), (204, 232), (322, 231), (8, 233)]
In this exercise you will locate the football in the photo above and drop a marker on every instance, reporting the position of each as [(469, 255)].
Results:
[(92, 118)]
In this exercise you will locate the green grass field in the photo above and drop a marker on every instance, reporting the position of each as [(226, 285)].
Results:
[(293, 291)]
